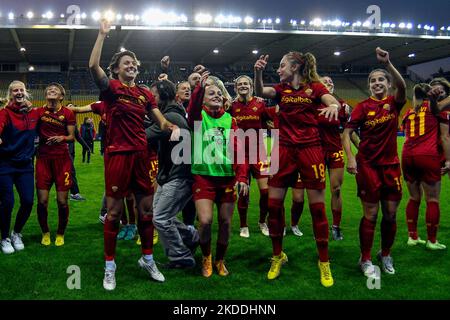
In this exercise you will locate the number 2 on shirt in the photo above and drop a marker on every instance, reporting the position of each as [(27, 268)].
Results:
[(66, 179)]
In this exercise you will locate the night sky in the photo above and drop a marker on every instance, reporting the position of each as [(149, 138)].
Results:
[(431, 11)]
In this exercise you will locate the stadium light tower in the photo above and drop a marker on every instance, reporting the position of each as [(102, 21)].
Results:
[(203, 18), (216, 51), (49, 15), (11, 16), (30, 14), (248, 20)]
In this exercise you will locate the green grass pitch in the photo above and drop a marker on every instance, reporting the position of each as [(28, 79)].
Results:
[(41, 272)]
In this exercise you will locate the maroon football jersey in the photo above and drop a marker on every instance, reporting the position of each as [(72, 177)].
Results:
[(297, 118), (125, 109), (378, 122), (250, 115), (421, 131), (54, 124)]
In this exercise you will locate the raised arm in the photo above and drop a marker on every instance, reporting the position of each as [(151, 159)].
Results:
[(398, 81), (260, 90), (100, 77), (83, 109), (438, 106), (194, 109)]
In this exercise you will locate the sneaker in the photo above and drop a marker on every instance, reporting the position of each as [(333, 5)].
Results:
[(221, 269), (264, 229), (102, 218), (387, 263), (123, 232), (414, 242), (16, 240), (368, 269), (244, 233), (59, 241), (296, 231), (138, 241), (155, 236), (77, 197), (435, 246), (336, 233), (275, 267), (7, 248), (131, 232), (326, 279), (207, 266), (109, 280), (152, 269), (46, 239)]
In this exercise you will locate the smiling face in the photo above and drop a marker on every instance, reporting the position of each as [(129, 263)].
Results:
[(213, 98), (379, 84), (328, 84), (53, 92), (243, 87), (183, 92), (286, 70), (127, 70), (17, 92)]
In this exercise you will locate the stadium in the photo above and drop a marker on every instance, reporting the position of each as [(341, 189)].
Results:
[(54, 46)]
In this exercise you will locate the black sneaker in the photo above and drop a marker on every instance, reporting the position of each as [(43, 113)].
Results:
[(77, 197)]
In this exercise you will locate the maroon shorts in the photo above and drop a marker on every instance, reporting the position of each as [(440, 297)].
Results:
[(422, 168), (377, 183), (217, 189), (306, 161), (57, 170), (334, 159), (260, 169), (127, 172)]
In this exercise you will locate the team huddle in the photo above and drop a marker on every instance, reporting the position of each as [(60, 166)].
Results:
[(144, 129)]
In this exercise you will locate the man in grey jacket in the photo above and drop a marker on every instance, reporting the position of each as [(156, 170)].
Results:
[(174, 180)]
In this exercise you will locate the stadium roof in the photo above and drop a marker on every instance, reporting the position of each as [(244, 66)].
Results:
[(72, 46)]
